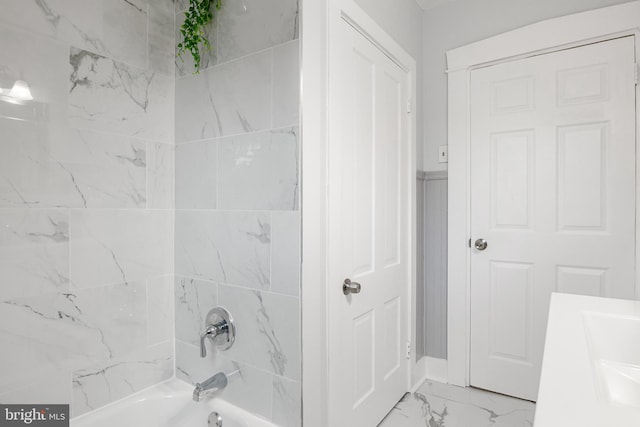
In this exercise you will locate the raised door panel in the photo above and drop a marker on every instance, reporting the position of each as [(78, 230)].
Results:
[(510, 319), (582, 177), (581, 85), (515, 95), (364, 354), (581, 280), (363, 164), (512, 179), (389, 134), (390, 349)]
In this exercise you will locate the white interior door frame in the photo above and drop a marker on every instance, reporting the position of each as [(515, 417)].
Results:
[(319, 17), (543, 37)]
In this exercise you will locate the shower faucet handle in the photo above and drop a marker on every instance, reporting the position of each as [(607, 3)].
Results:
[(220, 330), (211, 329)]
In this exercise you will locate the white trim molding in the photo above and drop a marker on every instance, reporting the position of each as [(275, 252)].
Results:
[(314, 89), (437, 370), (553, 34), (435, 175), (430, 4), (543, 37)]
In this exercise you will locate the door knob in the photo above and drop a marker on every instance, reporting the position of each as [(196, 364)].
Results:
[(480, 244), (349, 287)]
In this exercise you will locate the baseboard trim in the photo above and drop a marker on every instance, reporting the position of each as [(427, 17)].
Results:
[(438, 370)]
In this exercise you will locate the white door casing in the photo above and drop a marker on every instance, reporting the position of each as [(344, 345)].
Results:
[(553, 194), (371, 181), (543, 37)]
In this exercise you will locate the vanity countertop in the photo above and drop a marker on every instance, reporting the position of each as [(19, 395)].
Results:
[(591, 365)]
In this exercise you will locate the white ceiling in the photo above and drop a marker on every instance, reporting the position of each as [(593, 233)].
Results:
[(430, 4)]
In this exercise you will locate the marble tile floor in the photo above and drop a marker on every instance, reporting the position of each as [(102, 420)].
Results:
[(442, 405)]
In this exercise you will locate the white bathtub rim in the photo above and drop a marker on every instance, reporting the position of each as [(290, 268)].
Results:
[(131, 396), (169, 388)]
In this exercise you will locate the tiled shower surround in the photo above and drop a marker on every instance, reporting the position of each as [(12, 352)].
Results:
[(237, 205), (86, 200), (97, 250)]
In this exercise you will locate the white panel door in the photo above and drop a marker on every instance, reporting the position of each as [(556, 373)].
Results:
[(370, 177), (553, 194)]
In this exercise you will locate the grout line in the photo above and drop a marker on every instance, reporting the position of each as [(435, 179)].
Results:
[(217, 52), (240, 58), (270, 251), (237, 287), (217, 174), (236, 135), (226, 211), (116, 134), (248, 364), (147, 45), (271, 88)]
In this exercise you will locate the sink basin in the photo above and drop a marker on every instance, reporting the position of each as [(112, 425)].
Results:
[(614, 349)]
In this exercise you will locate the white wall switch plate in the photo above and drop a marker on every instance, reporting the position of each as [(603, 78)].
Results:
[(443, 154)]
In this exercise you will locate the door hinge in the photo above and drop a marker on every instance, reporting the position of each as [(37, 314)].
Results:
[(469, 243), (636, 71), (409, 106), (408, 350)]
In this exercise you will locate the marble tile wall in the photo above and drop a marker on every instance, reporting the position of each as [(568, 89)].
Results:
[(86, 200), (92, 186), (237, 205)]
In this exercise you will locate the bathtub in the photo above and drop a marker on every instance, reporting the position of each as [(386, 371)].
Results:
[(168, 404)]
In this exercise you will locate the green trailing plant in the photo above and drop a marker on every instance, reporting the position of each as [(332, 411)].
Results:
[(197, 17)]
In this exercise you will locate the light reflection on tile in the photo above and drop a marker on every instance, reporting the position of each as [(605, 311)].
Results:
[(41, 62), (263, 168)]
